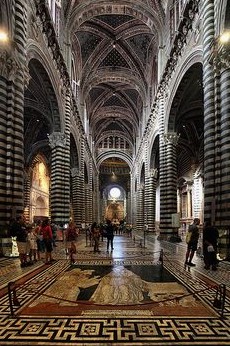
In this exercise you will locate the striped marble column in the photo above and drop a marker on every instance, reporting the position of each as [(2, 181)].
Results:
[(88, 204), (210, 112), (82, 169), (90, 193), (77, 195), (160, 109), (133, 199), (223, 207), (103, 207), (66, 148), (140, 217), (96, 199), (168, 181), (13, 76), (128, 207), (27, 187), (150, 199), (59, 196)]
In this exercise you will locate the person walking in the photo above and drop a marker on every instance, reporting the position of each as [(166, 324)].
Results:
[(210, 239), (31, 244), (71, 237), (95, 230), (109, 234), (47, 238), (192, 242), (40, 242)]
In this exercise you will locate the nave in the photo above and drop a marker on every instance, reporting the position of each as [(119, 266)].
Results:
[(138, 294)]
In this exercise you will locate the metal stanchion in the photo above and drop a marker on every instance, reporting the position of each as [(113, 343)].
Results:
[(86, 238), (161, 258), (13, 300), (219, 301), (144, 238)]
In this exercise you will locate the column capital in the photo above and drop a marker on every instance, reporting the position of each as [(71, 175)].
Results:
[(171, 137), (65, 91), (76, 172), (141, 186), (57, 139), (8, 65), (224, 61), (219, 56), (153, 172)]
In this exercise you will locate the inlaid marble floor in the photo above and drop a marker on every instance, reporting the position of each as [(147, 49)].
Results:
[(138, 294)]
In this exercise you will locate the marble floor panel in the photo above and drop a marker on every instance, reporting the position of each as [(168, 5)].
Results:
[(129, 296)]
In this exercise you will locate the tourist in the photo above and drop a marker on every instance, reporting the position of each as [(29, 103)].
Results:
[(192, 242), (71, 237), (210, 238), (95, 231), (109, 234), (47, 239)]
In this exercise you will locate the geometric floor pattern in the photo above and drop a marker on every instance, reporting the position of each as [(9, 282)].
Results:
[(115, 325)]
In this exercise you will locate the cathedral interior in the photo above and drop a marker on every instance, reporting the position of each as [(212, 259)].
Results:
[(115, 110)]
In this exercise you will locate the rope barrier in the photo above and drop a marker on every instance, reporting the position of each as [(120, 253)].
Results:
[(210, 287), (218, 303), (220, 298)]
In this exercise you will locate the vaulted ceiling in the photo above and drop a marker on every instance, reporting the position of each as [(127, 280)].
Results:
[(115, 44)]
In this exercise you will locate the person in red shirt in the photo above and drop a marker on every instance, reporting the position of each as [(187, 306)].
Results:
[(47, 239)]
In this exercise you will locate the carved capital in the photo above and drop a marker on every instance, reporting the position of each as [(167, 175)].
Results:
[(76, 172), (171, 137), (8, 65), (153, 172), (141, 187), (219, 56), (57, 139), (224, 60)]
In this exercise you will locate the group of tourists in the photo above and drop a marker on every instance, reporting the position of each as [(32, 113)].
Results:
[(32, 240), (104, 231)]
